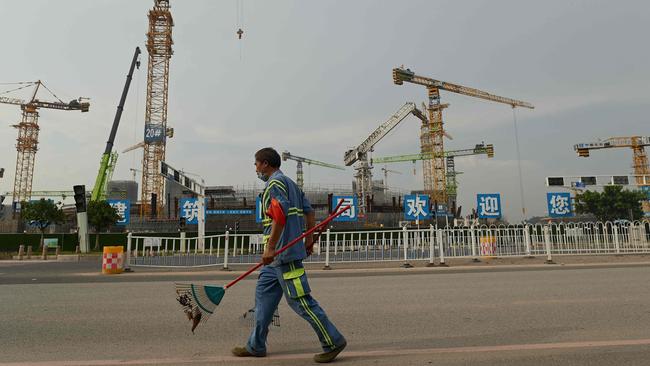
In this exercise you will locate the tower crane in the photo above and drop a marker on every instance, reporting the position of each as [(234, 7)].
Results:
[(431, 138), (386, 171), (359, 154), (28, 130), (639, 159), (299, 160), (449, 156), (109, 157), (159, 47)]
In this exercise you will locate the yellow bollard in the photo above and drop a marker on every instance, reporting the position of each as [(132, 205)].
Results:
[(113, 260)]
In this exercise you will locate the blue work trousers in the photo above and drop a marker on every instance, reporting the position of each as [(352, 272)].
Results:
[(270, 286)]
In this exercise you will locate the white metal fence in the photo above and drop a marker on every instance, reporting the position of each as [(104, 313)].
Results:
[(427, 244)]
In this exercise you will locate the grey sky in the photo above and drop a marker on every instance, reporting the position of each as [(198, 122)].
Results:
[(315, 78)]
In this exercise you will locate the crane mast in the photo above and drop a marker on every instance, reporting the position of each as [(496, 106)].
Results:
[(159, 47), (299, 160), (359, 155), (431, 137)]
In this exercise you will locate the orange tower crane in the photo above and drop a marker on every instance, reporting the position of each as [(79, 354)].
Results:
[(159, 46), (28, 128), (639, 160), (431, 138)]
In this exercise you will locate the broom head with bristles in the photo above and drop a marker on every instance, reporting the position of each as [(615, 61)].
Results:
[(198, 301)]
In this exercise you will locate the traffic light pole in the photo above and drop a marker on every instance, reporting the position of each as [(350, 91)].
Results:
[(82, 224)]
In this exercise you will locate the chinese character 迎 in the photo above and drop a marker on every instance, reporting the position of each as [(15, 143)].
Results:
[(489, 206)]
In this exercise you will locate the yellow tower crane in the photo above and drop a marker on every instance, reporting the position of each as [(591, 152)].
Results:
[(639, 159), (159, 47), (28, 128), (431, 138)]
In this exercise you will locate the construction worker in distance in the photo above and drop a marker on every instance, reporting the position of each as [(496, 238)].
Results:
[(285, 211)]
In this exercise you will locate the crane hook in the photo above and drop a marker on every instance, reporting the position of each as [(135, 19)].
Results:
[(240, 32)]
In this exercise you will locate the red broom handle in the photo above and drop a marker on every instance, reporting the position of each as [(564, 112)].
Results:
[(293, 242)]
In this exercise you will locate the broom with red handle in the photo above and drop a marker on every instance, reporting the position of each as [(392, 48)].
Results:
[(199, 301)]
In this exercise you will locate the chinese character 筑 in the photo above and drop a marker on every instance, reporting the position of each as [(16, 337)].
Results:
[(191, 210)]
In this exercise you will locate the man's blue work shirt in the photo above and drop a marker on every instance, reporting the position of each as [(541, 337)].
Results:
[(294, 205)]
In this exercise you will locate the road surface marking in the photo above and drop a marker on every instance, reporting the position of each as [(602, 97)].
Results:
[(350, 354)]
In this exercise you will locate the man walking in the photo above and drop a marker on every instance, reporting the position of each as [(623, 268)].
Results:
[(285, 209)]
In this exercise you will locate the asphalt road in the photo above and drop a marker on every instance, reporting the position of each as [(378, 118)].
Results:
[(589, 316)]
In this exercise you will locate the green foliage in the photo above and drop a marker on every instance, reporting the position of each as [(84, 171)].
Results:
[(612, 204), (101, 215), (42, 213)]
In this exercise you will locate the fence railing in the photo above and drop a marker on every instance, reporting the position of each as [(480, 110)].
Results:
[(424, 244)]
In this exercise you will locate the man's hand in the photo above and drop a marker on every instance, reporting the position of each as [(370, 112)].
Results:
[(309, 244), (267, 257)]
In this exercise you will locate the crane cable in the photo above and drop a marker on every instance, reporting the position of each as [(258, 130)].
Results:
[(240, 24)]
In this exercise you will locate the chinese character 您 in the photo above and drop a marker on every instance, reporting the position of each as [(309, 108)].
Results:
[(559, 205), (489, 206)]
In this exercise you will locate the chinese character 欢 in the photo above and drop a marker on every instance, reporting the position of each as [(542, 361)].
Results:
[(416, 207)]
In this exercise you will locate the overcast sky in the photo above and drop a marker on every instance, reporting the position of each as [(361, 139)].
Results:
[(315, 78)]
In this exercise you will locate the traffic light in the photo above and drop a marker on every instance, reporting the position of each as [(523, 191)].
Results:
[(2, 172), (236, 225), (181, 224), (80, 197)]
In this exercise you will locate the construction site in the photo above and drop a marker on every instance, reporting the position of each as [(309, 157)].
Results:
[(155, 194)]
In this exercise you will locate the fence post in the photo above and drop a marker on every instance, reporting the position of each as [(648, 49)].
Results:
[(127, 255), (182, 244), (441, 248), (21, 252), (617, 242), (432, 237), (547, 243), (29, 252), (225, 252), (473, 236), (527, 241), (327, 250), (405, 239)]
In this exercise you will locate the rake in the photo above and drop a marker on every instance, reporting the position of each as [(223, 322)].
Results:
[(200, 301)]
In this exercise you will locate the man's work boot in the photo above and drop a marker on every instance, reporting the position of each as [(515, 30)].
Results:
[(243, 352), (331, 355)]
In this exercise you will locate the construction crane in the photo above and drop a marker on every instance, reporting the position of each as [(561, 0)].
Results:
[(28, 130), (639, 159), (451, 183), (359, 154), (299, 160), (431, 138), (159, 47), (386, 171), (109, 158)]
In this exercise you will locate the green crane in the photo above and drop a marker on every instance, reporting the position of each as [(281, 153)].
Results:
[(299, 160), (109, 158), (451, 181)]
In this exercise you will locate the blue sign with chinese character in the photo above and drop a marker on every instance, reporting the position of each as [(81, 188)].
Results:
[(190, 210), (416, 207), (488, 205), (123, 209), (258, 209), (559, 204), (350, 214)]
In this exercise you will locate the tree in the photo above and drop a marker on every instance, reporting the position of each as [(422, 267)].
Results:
[(101, 215), (42, 213), (611, 204)]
